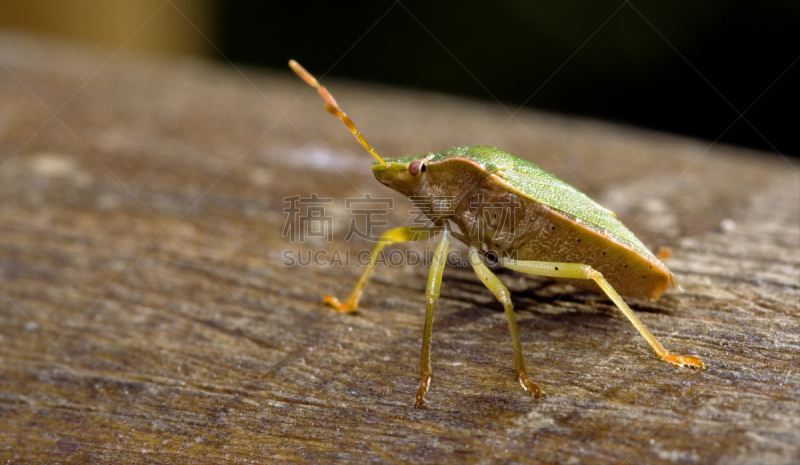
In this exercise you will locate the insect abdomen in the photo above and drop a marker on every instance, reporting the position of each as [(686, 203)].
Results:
[(528, 230)]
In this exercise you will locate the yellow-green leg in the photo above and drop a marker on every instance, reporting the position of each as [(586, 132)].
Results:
[(431, 294), (393, 236), (580, 271), (501, 293)]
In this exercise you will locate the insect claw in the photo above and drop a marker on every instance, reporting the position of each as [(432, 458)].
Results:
[(424, 384), (664, 252), (685, 360), (529, 386), (334, 302)]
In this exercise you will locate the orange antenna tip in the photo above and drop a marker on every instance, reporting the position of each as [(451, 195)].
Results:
[(333, 107), (305, 75)]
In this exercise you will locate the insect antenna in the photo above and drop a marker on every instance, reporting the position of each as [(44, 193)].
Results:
[(333, 107)]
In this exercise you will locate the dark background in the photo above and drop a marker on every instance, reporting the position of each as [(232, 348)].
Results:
[(682, 66), (686, 67)]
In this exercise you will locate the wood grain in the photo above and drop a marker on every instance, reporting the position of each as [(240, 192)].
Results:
[(147, 315)]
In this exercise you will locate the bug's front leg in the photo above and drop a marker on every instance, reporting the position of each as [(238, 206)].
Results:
[(500, 291), (392, 236), (431, 294)]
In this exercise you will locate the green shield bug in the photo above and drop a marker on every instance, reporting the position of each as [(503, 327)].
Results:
[(534, 223)]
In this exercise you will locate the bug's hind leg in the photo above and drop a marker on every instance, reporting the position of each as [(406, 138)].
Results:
[(501, 293), (392, 236), (580, 271)]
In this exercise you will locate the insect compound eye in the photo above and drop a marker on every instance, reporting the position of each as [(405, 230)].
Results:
[(416, 167)]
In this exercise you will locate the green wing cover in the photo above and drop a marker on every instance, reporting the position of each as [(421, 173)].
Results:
[(529, 181)]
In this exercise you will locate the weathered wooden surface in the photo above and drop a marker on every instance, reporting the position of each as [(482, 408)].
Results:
[(147, 316)]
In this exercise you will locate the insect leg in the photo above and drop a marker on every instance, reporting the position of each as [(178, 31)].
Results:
[(431, 294), (501, 293), (580, 271), (392, 236)]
